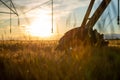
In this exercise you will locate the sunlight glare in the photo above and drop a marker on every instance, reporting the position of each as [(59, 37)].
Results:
[(41, 26)]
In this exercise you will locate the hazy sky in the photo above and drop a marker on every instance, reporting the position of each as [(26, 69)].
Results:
[(67, 14)]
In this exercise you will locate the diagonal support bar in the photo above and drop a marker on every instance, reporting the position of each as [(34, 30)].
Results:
[(88, 13), (98, 13), (13, 6), (38, 6), (9, 8)]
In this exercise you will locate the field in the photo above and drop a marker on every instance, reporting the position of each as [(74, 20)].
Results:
[(38, 60), (114, 43)]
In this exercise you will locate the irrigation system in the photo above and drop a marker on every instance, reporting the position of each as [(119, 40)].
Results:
[(13, 11)]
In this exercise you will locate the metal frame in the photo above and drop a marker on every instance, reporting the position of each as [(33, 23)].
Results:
[(13, 10), (94, 18)]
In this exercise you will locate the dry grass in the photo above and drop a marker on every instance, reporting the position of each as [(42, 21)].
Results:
[(37, 60)]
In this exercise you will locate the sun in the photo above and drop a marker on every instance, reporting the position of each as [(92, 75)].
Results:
[(41, 26)]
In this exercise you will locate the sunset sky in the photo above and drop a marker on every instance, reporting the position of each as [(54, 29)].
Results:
[(35, 18)]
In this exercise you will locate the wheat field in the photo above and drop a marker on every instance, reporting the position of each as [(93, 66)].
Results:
[(38, 60)]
